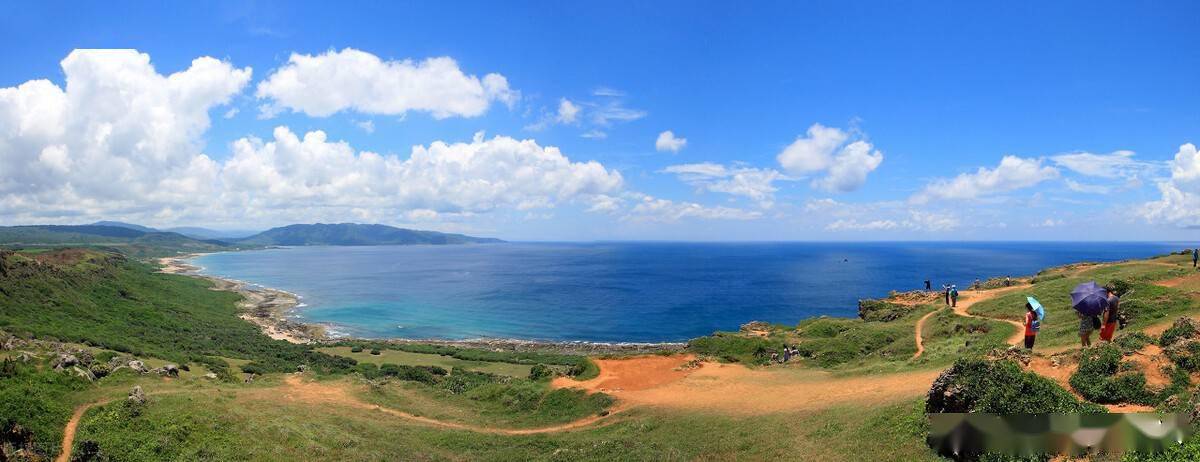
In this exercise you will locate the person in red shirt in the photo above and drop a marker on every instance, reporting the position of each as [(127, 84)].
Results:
[(1031, 327)]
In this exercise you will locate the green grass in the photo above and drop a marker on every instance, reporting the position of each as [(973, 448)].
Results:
[(1147, 303), (236, 426), (427, 359)]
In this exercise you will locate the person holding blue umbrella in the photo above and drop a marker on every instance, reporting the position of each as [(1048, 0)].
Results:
[(1034, 314), (1089, 300)]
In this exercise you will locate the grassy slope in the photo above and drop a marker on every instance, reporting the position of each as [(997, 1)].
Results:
[(424, 359), (1151, 303), (233, 426)]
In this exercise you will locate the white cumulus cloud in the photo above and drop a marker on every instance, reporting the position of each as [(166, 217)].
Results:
[(1012, 174), (1179, 202), (668, 142), (324, 84), (825, 150), (119, 136)]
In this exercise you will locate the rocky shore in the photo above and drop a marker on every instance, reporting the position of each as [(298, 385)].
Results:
[(269, 308)]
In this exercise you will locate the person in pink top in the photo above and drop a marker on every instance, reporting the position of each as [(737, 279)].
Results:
[(1031, 327)]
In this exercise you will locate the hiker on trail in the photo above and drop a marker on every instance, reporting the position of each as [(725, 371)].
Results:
[(977, 285), (1111, 316), (928, 287), (953, 296), (1195, 256), (1032, 325), (946, 292), (1085, 329), (787, 354)]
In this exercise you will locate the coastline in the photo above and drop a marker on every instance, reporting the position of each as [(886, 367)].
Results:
[(268, 309)]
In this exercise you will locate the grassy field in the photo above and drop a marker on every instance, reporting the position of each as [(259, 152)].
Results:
[(240, 425), (424, 359), (1147, 303)]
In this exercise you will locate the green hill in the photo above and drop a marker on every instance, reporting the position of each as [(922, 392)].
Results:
[(127, 240), (357, 234)]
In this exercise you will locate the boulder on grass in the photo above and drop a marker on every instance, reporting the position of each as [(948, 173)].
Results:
[(170, 370), (65, 360), (137, 396), (138, 366)]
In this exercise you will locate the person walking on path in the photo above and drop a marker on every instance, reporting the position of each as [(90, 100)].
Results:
[(1195, 256), (953, 296), (1085, 329), (1032, 326), (928, 286), (946, 292), (1110, 316)]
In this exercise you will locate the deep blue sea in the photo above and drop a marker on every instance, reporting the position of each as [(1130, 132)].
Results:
[(621, 292)]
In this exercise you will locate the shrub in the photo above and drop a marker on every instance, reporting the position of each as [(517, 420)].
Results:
[(540, 371), (1185, 354), (1182, 329), (375, 351), (1133, 341), (723, 345), (356, 349), (977, 385), (253, 369), (1120, 287), (1100, 378), (882, 311)]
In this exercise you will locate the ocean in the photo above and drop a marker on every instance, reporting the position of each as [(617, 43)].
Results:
[(621, 292)]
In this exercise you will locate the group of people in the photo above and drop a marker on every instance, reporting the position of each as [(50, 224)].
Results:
[(1106, 322), (949, 291), (788, 352)]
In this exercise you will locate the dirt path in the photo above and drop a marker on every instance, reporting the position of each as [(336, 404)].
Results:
[(920, 327), (978, 296), (667, 382), (68, 441), (973, 297), (296, 389)]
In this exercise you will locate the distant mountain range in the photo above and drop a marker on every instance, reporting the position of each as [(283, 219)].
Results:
[(357, 234), (189, 231), (138, 240)]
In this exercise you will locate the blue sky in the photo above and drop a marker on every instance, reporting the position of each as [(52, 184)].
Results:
[(916, 106)]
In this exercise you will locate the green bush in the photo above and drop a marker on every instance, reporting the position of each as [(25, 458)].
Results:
[(1100, 378), (375, 351), (424, 374), (977, 385), (1182, 329), (540, 371), (1133, 341), (356, 349), (732, 346), (882, 311)]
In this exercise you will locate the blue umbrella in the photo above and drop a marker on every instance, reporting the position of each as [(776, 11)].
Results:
[(1037, 308), (1089, 299)]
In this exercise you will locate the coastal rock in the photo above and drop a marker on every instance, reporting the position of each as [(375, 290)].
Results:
[(946, 395), (755, 326), (170, 370), (210, 376), (249, 378), (84, 373), (65, 360), (302, 368), (137, 396), (138, 366)]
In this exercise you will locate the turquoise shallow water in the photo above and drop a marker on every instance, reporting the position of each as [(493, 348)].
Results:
[(621, 292)]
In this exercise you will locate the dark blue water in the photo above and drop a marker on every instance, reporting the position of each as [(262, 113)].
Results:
[(622, 292)]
